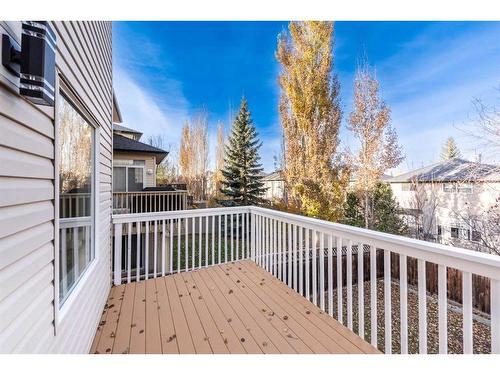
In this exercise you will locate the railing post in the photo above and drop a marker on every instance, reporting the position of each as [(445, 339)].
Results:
[(118, 254)]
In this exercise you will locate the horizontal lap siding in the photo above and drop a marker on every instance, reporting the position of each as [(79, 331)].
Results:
[(27, 205)]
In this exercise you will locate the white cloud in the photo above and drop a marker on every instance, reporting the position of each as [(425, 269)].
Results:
[(152, 115)]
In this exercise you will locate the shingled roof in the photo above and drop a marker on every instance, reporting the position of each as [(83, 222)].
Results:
[(452, 170), (124, 129), (121, 143)]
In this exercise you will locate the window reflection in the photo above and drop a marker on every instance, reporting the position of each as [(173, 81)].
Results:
[(76, 164)]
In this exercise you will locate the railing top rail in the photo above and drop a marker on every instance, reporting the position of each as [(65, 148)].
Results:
[(151, 192), (388, 241), (74, 222), (180, 214)]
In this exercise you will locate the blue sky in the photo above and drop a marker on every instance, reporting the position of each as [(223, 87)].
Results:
[(165, 72)]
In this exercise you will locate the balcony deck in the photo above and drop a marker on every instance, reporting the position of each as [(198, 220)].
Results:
[(228, 308)]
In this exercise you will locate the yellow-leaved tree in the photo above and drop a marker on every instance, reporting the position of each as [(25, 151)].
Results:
[(315, 174), (370, 121)]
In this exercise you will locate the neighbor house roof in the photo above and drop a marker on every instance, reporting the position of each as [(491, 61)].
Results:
[(121, 143), (273, 176), (124, 129), (383, 178), (452, 170)]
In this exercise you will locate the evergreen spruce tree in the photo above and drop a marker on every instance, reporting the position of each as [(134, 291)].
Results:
[(450, 150), (242, 183)]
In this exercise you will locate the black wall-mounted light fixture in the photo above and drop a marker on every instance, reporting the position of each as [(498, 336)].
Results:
[(34, 63)]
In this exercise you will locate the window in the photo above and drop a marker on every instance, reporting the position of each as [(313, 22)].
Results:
[(409, 186), (454, 232), (128, 177), (119, 179), (439, 230), (76, 143), (476, 236), (465, 188), (450, 188)]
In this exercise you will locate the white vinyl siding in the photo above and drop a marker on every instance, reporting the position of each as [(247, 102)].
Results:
[(27, 189)]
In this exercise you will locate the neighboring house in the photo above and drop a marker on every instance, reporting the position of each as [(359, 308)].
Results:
[(55, 259), (274, 184), (451, 202), (134, 162)]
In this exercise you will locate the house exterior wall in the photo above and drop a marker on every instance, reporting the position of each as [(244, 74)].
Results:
[(448, 209), (30, 318), (149, 179), (274, 190)]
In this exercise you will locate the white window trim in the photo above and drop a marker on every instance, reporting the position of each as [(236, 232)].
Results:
[(60, 312)]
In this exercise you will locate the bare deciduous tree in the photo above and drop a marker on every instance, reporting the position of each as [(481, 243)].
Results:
[(370, 122), (193, 155), (219, 158), (422, 209)]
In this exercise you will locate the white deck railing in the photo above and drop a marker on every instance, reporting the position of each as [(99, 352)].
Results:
[(149, 201), (302, 252)]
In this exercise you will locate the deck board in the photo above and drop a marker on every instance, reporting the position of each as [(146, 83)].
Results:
[(235, 307)]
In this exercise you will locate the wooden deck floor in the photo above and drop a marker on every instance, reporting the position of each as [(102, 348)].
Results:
[(230, 308)]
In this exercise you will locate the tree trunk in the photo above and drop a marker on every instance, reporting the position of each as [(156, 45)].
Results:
[(366, 209)]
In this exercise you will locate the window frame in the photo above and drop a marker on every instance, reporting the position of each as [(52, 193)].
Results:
[(465, 188), (120, 165), (453, 187), (64, 89)]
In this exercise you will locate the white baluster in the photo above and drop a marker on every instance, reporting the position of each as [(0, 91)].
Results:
[(155, 249), (339, 281), (295, 251), (118, 254), (443, 309), (308, 266), (361, 292), (280, 255), (193, 242), (213, 239), (403, 303), (163, 252), (301, 261), (219, 238), (321, 271), (129, 252), (467, 310), (138, 251), (330, 274), (206, 241), (146, 251), (387, 302), (186, 244), (422, 308), (349, 284), (373, 295), (171, 249)]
